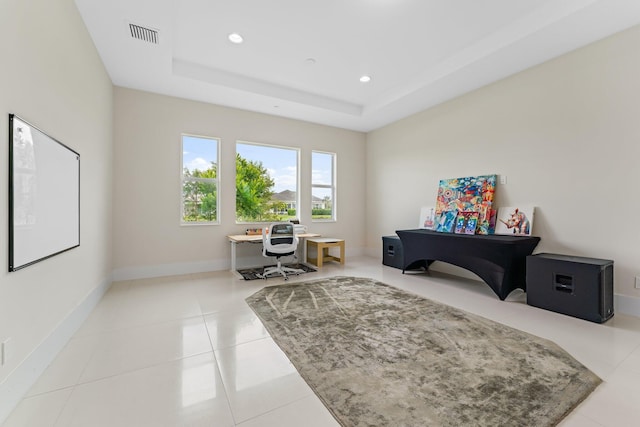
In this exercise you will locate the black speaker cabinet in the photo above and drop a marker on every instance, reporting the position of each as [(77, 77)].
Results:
[(576, 286), (392, 254)]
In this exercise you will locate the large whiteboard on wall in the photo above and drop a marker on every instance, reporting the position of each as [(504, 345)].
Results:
[(44, 195)]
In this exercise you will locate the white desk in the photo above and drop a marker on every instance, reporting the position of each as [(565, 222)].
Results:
[(243, 238)]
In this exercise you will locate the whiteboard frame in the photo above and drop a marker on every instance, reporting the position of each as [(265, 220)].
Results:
[(36, 235)]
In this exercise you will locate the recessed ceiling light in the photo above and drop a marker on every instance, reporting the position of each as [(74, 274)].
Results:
[(235, 38), (365, 79)]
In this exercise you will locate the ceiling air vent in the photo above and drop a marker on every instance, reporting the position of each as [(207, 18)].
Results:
[(143, 33)]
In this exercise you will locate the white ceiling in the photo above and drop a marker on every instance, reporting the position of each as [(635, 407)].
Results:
[(418, 52)]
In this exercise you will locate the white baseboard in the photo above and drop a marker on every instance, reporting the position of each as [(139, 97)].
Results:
[(18, 383), (373, 253), (626, 304), (147, 271), (142, 272)]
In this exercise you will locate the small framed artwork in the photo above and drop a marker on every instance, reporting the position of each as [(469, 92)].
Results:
[(466, 223), (446, 221), (515, 220), (459, 227), (472, 224), (427, 217)]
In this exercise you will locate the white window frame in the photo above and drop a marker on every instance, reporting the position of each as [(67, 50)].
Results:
[(332, 186), (215, 181)]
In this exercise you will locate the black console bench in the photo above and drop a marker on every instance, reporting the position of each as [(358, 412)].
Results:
[(499, 260)]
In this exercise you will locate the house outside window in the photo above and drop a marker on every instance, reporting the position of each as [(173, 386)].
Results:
[(266, 182), (200, 182), (323, 186)]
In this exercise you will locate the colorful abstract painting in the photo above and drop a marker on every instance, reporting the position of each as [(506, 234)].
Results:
[(468, 194)]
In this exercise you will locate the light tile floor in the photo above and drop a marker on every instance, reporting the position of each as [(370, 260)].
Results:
[(187, 351)]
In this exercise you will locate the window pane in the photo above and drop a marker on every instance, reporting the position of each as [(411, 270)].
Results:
[(199, 179), (322, 203), (322, 165), (266, 183), (322, 186)]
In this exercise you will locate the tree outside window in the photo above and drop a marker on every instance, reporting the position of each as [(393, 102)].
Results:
[(199, 179), (266, 183)]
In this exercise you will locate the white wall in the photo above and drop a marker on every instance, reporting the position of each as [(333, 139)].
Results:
[(567, 136), (52, 77), (149, 240)]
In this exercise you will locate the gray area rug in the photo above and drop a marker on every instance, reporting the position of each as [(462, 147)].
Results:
[(379, 356)]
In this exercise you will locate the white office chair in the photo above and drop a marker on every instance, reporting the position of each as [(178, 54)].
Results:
[(278, 242)]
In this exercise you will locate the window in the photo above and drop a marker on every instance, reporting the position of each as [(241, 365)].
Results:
[(323, 188), (199, 179), (266, 183)]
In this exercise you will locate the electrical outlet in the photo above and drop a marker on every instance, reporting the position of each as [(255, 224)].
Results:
[(503, 179), (637, 282)]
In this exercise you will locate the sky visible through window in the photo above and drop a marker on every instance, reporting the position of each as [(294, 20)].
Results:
[(281, 163), (321, 173), (198, 153)]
